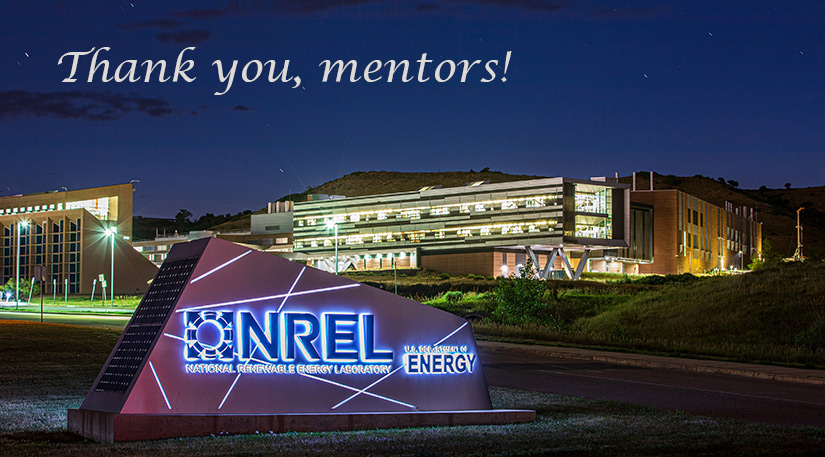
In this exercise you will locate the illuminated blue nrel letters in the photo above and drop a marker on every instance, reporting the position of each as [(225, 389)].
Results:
[(287, 337)]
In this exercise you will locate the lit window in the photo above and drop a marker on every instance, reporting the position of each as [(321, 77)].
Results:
[(313, 243), (376, 238), (485, 231), (532, 228), (464, 232), (411, 213), (382, 215), (480, 207), (465, 209), (139, 248), (508, 204), (311, 222), (355, 218), (440, 211), (536, 202), (327, 242)]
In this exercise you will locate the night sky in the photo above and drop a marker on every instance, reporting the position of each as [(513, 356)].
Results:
[(719, 88)]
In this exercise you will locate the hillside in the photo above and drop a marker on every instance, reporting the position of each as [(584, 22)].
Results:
[(772, 315), (385, 182)]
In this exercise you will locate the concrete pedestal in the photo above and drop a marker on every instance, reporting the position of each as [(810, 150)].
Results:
[(109, 428)]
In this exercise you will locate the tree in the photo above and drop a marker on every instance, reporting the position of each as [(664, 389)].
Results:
[(733, 183), (769, 259), (520, 297), (787, 185), (763, 188), (182, 220), (25, 288)]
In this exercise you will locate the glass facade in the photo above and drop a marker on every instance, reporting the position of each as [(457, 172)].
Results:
[(53, 243), (443, 220)]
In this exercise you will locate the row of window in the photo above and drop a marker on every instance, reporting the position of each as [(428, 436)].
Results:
[(419, 235), (539, 201)]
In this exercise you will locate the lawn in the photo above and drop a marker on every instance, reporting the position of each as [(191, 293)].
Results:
[(767, 316), (47, 368)]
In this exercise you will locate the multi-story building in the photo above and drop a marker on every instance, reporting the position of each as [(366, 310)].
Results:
[(694, 236), (68, 237), (270, 232), (480, 228)]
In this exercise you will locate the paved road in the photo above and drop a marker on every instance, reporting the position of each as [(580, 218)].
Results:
[(110, 322), (752, 400)]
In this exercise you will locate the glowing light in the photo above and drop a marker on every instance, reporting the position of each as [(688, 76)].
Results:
[(451, 334), (291, 288), (219, 267), (160, 385), (356, 390), (270, 297)]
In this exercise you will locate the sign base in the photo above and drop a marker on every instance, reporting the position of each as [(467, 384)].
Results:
[(110, 427)]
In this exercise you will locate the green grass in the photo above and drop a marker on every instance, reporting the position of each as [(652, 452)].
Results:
[(42, 373), (124, 303), (767, 316)]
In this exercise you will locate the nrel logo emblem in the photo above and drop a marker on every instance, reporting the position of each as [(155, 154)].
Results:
[(209, 335)]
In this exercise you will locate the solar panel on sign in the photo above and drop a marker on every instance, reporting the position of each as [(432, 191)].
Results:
[(146, 324)]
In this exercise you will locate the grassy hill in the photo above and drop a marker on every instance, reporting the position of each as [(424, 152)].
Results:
[(773, 315)]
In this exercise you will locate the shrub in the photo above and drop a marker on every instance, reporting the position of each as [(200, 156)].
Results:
[(25, 288), (453, 296), (519, 297), (813, 337)]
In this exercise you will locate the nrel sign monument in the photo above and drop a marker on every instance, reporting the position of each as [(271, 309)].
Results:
[(229, 340)]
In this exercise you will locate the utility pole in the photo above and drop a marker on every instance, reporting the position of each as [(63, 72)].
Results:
[(797, 255)]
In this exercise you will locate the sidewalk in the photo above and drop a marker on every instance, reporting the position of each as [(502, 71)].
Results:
[(771, 372), (62, 309)]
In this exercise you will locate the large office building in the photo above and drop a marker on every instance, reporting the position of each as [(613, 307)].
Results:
[(68, 236), (479, 228), (565, 226)]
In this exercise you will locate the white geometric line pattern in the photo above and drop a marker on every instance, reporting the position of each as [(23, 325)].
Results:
[(291, 289), (365, 389), (218, 268), (270, 297), (160, 385)]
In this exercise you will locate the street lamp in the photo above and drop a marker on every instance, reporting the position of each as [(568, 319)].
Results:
[(331, 224), (20, 226), (112, 232)]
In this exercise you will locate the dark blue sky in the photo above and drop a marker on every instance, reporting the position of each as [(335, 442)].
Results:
[(733, 89)]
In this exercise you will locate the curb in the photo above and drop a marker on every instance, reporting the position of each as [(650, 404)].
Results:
[(773, 373)]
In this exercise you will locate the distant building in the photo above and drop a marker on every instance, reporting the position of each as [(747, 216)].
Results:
[(672, 232), (64, 233), (271, 232), (479, 228), (694, 236)]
